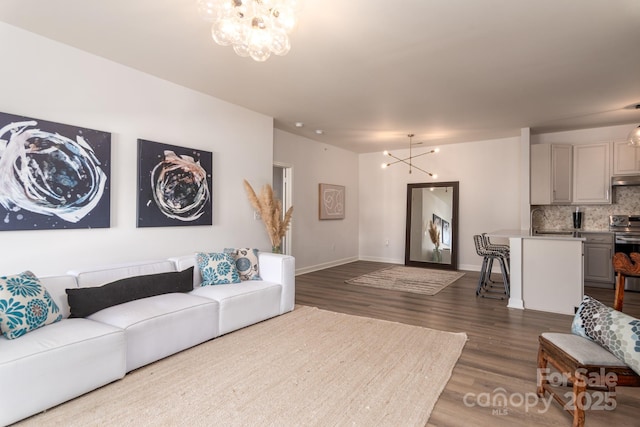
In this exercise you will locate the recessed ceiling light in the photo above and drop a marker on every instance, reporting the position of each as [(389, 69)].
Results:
[(299, 124), (319, 131)]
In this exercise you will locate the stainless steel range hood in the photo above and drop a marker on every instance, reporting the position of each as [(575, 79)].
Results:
[(619, 181)]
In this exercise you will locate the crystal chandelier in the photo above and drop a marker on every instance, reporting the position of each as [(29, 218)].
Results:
[(408, 160), (255, 28)]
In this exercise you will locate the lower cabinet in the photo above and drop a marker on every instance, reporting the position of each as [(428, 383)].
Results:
[(598, 255)]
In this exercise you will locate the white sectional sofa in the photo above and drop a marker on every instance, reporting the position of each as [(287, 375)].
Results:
[(63, 360)]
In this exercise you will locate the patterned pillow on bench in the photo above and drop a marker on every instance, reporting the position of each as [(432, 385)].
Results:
[(617, 332)]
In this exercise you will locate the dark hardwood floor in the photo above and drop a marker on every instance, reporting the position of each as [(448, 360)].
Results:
[(499, 357)]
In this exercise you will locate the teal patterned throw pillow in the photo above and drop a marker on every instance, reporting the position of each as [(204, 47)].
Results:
[(246, 262), (217, 268), (617, 332), (25, 305)]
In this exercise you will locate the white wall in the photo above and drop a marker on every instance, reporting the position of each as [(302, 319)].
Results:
[(50, 81), (319, 244), (489, 176)]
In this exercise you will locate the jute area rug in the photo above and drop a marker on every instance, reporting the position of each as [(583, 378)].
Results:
[(408, 279), (309, 367)]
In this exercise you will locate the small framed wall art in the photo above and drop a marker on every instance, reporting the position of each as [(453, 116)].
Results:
[(331, 201), (446, 233), (174, 185)]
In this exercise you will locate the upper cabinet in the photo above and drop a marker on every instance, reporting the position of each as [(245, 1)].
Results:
[(561, 168), (551, 174), (626, 159), (570, 174), (592, 173)]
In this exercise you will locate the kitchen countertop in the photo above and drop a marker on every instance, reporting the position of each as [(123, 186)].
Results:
[(525, 234)]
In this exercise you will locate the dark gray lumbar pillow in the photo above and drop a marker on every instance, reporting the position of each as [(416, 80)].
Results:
[(86, 301)]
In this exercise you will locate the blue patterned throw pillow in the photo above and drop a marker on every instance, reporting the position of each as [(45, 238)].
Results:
[(246, 262), (217, 268), (617, 332), (25, 305)]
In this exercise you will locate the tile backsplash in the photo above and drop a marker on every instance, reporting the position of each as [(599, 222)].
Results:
[(626, 201)]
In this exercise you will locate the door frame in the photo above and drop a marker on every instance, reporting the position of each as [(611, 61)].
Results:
[(287, 193)]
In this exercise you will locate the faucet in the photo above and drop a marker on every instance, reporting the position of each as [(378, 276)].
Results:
[(533, 211)]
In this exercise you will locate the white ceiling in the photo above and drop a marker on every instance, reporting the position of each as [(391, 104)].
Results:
[(368, 72)]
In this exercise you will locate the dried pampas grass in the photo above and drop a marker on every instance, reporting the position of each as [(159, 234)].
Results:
[(434, 233), (270, 210)]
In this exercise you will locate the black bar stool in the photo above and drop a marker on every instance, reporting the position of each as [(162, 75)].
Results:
[(504, 250), (488, 256)]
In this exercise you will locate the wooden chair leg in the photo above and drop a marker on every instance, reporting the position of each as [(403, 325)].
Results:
[(619, 297)]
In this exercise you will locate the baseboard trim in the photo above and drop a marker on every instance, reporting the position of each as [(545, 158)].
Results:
[(470, 267), (322, 266), (379, 259)]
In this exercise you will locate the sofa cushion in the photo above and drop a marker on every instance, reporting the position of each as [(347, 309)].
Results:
[(86, 301), (25, 305), (246, 262), (243, 304), (98, 276), (217, 268), (162, 325), (617, 332), (57, 363)]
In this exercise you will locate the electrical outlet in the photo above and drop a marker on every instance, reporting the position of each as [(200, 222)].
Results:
[(256, 215), (386, 242)]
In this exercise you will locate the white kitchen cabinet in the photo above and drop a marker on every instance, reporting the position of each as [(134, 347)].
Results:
[(592, 173), (626, 159), (551, 174)]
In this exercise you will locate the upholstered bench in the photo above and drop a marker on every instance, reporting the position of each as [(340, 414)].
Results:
[(585, 365), (602, 352)]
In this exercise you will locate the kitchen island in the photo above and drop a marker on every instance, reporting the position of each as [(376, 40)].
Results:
[(546, 271)]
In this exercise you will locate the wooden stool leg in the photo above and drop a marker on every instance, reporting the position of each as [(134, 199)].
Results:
[(579, 391), (542, 371), (619, 297)]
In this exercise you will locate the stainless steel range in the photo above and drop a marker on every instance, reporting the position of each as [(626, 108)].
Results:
[(626, 229)]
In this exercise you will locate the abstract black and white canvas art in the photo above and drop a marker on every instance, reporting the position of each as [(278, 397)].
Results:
[(53, 175), (174, 185)]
